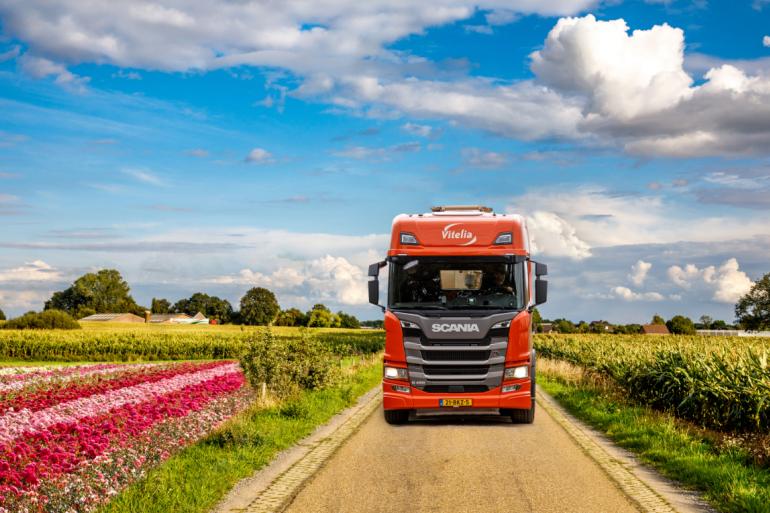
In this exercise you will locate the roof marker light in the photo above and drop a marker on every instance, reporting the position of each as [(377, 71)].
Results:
[(503, 238)]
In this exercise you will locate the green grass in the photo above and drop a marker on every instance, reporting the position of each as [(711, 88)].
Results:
[(725, 477), (198, 477)]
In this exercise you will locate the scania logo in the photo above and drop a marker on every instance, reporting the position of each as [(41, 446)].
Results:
[(455, 328), (458, 234)]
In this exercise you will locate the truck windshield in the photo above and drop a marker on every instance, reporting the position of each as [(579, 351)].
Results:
[(456, 283)]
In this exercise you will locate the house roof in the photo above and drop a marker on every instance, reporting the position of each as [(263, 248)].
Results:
[(655, 329), (168, 317), (106, 317)]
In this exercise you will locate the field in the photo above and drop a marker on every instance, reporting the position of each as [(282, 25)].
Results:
[(73, 436), (721, 383), (99, 342)]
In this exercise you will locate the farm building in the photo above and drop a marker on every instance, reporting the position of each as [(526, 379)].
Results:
[(655, 329), (177, 318), (546, 327), (112, 317)]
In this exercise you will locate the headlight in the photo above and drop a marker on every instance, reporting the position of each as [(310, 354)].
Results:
[(516, 372), (502, 324), (395, 373), (408, 324)]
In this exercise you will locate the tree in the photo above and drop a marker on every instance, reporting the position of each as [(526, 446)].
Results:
[(47, 320), (348, 321), (681, 325), (657, 319), (210, 306), (160, 306), (102, 292), (753, 309), (706, 321), (2, 315), (320, 318), (563, 326), (720, 325), (537, 320), (259, 307), (291, 317), (377, 324)]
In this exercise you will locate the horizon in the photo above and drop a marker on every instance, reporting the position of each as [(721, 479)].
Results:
[(197, 149)]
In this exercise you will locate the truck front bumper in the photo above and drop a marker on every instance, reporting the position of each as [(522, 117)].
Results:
[(416, 399)]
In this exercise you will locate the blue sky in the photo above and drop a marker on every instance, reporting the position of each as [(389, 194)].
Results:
[(201, 146)]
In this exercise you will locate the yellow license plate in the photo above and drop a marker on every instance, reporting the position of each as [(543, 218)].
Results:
[(454, 403)]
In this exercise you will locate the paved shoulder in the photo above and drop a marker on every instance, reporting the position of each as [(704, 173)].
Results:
[(474, 465)]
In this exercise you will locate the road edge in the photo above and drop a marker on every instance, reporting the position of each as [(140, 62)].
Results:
[(650, 491), (272, 488)]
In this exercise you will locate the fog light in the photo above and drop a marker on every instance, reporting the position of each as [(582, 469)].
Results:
[(395, 373), (516, 372), (510, 388), (402, 389)]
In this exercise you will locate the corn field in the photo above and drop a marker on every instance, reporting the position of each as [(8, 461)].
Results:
[(177, 343), (716, 382)]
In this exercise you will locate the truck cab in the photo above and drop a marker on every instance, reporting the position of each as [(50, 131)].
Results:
[(458, 327)]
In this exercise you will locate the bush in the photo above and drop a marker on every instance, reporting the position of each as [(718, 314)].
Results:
[(288, 365), (681, 325), (47, 320)]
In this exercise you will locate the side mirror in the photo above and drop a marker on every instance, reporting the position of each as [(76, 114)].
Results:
[(374, 282), (541, 291), (540, 269)]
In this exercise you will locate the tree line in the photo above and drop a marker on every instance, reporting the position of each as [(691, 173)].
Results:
[(106, 291)]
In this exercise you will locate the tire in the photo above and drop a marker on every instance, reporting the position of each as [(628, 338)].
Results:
[(521, 416), (396, 417)]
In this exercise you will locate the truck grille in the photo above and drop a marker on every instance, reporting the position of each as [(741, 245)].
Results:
[(448, 370), (453, 356), (456, 389)]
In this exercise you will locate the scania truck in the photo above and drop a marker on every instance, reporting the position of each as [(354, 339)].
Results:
[(458, 318)]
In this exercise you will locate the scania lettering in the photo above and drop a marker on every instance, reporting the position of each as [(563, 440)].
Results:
[(458, 319)]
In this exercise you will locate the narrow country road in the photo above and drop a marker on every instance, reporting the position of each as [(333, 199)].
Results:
[(480, 464)]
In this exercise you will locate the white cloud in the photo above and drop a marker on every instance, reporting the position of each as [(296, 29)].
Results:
[(766, 41), (22, 300), (259, 156), (553, 236), (621, 75), (38, 67), (627, 294), (144, 176), (727, 282), (321, 279), (36, 271), (571, 222), (478, 158), (378, 153), (639, 272), (419, 130)]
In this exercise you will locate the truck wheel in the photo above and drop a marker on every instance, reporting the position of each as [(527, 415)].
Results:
[(396, 417), (522, 416)]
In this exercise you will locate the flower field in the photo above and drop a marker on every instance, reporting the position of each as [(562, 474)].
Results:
[(73, 437), (716, 382)]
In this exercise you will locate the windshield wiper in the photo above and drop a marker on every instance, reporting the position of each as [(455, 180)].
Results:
[(422, 307)]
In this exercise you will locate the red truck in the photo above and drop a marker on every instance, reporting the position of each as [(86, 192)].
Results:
[(458, 323)]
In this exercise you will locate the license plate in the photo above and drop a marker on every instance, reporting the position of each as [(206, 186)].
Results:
[(454, 403)]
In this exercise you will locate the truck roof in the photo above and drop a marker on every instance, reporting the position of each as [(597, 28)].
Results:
[(459, 231)]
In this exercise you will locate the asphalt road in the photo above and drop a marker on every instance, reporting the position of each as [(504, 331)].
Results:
[(461, 465)]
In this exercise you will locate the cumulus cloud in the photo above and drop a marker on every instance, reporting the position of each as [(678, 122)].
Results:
[(766, 41), (552, 235), (378, 153), (627, 294), (571, 222), (639, 272), (321, 279), (727, 282), (259, 156), (36, 271), (594, 81)]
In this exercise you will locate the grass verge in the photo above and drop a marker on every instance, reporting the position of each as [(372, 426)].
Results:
[(197, 478), (724, 476)]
